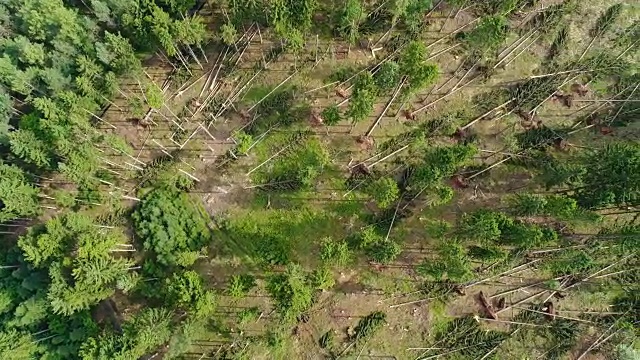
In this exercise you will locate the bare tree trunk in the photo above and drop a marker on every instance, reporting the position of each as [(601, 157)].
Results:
[(193, 55), (395, 94), (485, 114)]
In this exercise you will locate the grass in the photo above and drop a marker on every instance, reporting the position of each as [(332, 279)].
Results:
[(276, 236), (388, 283)]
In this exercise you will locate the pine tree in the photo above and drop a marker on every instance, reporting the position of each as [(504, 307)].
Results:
[(384, 191), (331, 115), (228, 34), (187, 290), (349, 19), (82, 269), (17, 345), (388, 76), (413, 63), (118, 53), (362, 98), (291, 291), (612, 177), (301, 13), (6, 112), (17, 196), (172, 226)]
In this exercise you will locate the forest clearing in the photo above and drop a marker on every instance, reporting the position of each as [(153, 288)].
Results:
[(319, 179)]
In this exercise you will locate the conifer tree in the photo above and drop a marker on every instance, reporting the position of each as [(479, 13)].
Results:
[(17, 197), (81, 266)]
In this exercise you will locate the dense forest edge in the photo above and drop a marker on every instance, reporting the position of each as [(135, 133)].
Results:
[(319, 179)]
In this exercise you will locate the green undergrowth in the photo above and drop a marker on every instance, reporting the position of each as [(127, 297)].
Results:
[(276, 236), (292, 161)]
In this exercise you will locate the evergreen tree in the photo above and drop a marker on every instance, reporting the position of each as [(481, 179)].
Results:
[(384, 191), (349, 18), (82, 269), (612, 177), (291, 291), (17, 345), (388, 76), (172, 226), (17, 197), (146, 331), (6, 111), (413, 63), (331, 115), (186, 290), (363, 98)]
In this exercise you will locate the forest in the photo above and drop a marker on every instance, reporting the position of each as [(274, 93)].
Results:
[(319, 179)]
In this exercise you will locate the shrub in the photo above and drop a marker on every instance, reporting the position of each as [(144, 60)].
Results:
[(452, 263), (322, 279), (377, 247), (369, 325), (244, 141), (437, 228), (327, 340), (487, 253), (487, 36), (248, 315), (483, 225), (384, 191), (187, 290), (527, 236), (529, 204), (387, 76), (291, 292), (331, 115), (384, 251), (240, 285), (573, 262), (336, 253), (367, 237)]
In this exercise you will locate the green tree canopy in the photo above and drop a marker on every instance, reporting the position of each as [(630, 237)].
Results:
[(291, 291), (172, 226), (82, 268), (387, 76), (17, 197), (17, 345), (363, 97), (438, 163), (186, 290), (384, 191), (487, 36), (148, 330), (331, 115), (612, 177), (6, 111), (413, 63), (451, 263), (349, 18)]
